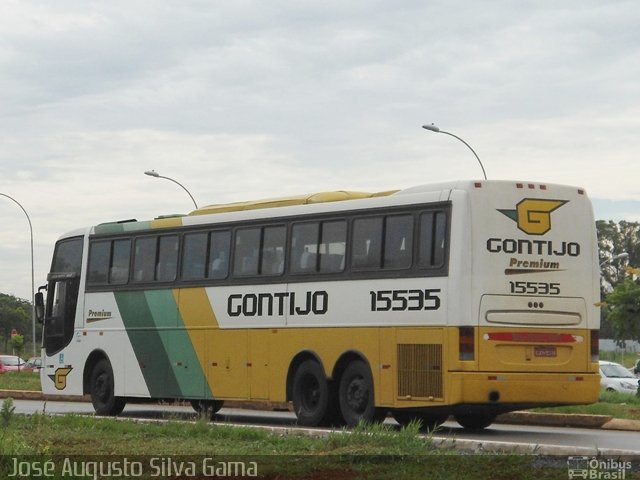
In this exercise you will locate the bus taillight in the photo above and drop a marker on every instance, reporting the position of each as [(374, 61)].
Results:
[(466, 343), (595, 345)]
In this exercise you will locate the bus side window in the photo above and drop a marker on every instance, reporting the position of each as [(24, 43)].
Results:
[(144, 261), (366, 248), (109, 262), (99, 255), (433, 232), (333, 246), (220, 246), (304, 247), (119, 271), (398, 244), (167, 258), (245, 259), (194, 256), (272, 262)]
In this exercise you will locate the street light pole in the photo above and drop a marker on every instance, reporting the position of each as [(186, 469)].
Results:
[(33, 304), (153, 173), (434, 128)]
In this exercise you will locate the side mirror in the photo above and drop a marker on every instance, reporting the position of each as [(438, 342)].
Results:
[(39, 299)]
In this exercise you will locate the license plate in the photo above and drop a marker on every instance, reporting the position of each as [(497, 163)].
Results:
[(545, 351)]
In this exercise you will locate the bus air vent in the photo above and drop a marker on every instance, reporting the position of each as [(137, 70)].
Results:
[(419, 370)]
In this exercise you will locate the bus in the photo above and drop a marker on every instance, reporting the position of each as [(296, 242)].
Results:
[(467, 298)]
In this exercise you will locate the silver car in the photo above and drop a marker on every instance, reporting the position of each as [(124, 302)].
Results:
[(615, 378)]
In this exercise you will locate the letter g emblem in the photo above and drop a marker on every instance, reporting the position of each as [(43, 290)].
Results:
[(534, 216)]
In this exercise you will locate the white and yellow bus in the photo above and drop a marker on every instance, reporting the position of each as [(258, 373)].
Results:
[(469, 299)]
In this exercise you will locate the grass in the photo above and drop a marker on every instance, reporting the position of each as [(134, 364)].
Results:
[(614, 404), (367, 452), (20, 381)]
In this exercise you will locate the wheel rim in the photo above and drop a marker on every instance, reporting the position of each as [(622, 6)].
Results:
[(357, 395)]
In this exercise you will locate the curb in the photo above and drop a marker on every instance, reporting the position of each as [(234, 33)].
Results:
[(554, 419), (604, 422)]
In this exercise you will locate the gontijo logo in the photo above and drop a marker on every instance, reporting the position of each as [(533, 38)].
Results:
[(60, 377), (533, 215)]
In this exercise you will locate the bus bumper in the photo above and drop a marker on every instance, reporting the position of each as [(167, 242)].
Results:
[(524, 388)]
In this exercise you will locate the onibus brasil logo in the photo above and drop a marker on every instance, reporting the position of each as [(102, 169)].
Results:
[(597, 468), (533, 215)]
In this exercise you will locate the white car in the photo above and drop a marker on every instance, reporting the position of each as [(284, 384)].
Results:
[(614, 377)]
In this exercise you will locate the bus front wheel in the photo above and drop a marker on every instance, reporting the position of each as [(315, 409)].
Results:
[(102, 390), (310, 394)]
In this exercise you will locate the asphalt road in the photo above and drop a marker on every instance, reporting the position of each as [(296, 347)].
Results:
[(498, 437)]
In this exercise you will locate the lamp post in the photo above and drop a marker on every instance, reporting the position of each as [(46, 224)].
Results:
[(434, 128), (33, 305), (153, 173)]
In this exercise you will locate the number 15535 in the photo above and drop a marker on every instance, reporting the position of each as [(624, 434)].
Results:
[(535, 288), (401, 300)]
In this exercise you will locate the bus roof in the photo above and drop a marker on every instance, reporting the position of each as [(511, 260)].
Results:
[(242, 210), (306, 199)]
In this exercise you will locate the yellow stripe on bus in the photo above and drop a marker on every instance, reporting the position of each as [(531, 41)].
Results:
[(198, 318), (166, 222)]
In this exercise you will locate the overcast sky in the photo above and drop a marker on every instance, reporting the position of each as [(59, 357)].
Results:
[(252, 99)]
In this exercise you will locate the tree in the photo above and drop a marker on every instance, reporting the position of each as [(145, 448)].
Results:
[(17, 344), (14, 313), (614, 239), (623, 310)]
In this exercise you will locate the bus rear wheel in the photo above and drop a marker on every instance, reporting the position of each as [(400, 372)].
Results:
[(475, 421), (102, 390), (310, 394), (428, 421), (355, 395)]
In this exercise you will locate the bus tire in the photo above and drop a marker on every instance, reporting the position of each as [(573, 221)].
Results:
[(310, 394), (356, 396), (475, 421), (207, 408), (102, 390), (428, 421)]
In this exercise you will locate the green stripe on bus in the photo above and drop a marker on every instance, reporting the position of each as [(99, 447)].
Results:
[(108, 228), (184, 360), (111, 228), (155, 327), (147, 344)]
